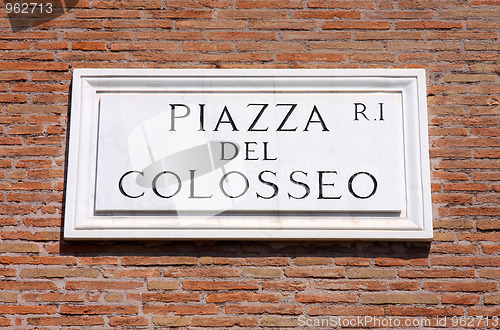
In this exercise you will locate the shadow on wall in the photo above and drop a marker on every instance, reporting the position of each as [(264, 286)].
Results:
[(247, 249), (25, 14)]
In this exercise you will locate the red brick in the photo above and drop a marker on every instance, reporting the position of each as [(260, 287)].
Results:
[(75, 23), (483, 47), (201, 272), (26, 197), (464, 299), (330, 298), (26, 186), (342, 25), (454, 224), (100, 13), (466, 187), (352, 261), (182, 310), (56, 297), (310, 261), (404, 286), (128, 321), (346, 311), (488, 225), (98, 309), (66, 321), (45, 260), (482, 311), (99, 261), (34, 66), (59, 273), (467, 57), (460, 286), (98, 35), (329, 14), (220, 285), (52, 76), (158, 261), (452, 199), (165, 297), (242, 296), (11, 141), (103, 285), (13, 76), (362, 4), (13, 98), (415, 46), (487, 176), (270, 261), (224, 321), (322, 36), (240, 36), (388, 35), (315, 57), (283, 285), (371, 273), (252, 14), (495, 237), (282, 25), (18, 247), (315, 272), (351, 285), (171, 321), (490, 273), (237, 57), (399, 14), (27, 56), (452, 248), (27, 309), (16, 209), (444, 273), (183, 14), (82, 45), (401, 262), (127, 24), (461, 35), (428, 312), (399, 298), (132, 4), (172, 35), (115, 273), (8, 222), (268, 4), (491, 211), (7, 45), (38, 109), (27, 236), (425, 4), (7, 297), (373, 57), (28, 35), (27, 285), (425, 25), (264, 308)]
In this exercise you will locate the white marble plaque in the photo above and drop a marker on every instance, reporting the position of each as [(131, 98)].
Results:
[(248, 154)]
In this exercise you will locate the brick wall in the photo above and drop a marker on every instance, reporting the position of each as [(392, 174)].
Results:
[(48, 282)]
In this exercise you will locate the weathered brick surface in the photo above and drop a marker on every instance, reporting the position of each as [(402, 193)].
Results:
[(49, 283)]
